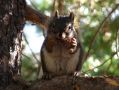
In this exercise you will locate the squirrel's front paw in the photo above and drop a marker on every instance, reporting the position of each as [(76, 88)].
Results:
[(75, 77)]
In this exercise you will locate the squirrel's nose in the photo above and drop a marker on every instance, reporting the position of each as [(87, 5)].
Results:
[(63, 35)]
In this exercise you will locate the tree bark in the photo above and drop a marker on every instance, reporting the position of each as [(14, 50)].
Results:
[(82, 83), (65, 83), (36, 17), (12, 20)]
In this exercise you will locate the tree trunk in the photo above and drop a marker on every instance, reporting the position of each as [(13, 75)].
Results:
[(12, 20), (11, 28)]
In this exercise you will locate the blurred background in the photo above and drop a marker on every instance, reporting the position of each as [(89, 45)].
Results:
[(98, 22)]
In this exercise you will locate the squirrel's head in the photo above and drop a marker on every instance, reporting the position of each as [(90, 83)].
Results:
[(62, 26)]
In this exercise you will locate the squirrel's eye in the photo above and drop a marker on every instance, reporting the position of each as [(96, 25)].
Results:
[(70, 27)]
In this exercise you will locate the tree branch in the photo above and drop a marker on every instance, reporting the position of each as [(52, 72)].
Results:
[(98, 30), (38, 62), (30, 49), (112, 55), (36, 17), (26, 56), (65, 83)]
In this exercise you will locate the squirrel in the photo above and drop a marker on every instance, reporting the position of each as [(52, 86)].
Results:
[(61, 52)]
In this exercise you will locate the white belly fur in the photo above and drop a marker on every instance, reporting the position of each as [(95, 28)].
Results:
[(60, 61)]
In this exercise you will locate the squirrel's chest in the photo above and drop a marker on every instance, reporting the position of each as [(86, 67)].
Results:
[(60, 61)]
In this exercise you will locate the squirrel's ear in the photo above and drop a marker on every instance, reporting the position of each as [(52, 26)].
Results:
[(56, 14), (71, 16)]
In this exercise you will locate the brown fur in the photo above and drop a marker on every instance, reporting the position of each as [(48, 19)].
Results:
[(61, 52)]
